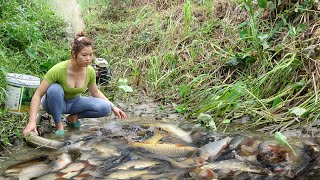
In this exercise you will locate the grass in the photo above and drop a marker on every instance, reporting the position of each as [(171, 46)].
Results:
[(217, 58)]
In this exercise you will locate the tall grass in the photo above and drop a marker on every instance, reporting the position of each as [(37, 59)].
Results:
[(229, 59)]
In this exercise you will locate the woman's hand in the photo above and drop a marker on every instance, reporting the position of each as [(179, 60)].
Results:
[(31, 126), (119, 112)]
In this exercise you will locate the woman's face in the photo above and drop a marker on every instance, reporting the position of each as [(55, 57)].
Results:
[(85, 56)]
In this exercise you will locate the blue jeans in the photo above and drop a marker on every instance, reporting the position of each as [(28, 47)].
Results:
[(86, 107)]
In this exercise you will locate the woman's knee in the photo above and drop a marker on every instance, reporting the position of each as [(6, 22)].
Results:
[(104, 109), (54, 90)]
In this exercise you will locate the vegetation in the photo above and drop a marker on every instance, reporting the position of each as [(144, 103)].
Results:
[(231, 60), (228, 59), (33, 39)]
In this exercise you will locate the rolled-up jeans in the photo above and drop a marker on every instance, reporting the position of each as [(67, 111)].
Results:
[(86, 107)]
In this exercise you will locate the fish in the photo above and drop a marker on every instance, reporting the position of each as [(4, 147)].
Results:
[(203, 174), (106, 149), (213, 149), (50, 176), (62, 161), (80, 145), (85, 136), (249, 150), (87, 173), (19, 166), (30, 172), (137, 164), (175, 131), (154, 139), (170, 160), (233, 165), (39, 141), (127, 174), (163, 176), (235, 142), (73, 169), (40, 164), (170, 150)]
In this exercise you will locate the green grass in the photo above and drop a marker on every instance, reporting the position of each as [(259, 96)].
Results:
[(227, 65)]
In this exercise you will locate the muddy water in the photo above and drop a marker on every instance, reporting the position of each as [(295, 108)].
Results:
[(146, 148)]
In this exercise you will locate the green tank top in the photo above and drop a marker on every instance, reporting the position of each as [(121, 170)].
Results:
[(58, 74)]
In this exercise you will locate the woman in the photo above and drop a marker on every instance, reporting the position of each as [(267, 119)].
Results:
[(63, 85)]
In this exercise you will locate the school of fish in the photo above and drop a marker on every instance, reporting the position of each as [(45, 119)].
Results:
[(166, 151)]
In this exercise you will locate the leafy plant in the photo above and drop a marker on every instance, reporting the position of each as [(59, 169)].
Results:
[(282, 140), (251, 32), (123, 85)]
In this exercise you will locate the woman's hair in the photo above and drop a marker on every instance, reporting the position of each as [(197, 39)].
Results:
[(80, 41)]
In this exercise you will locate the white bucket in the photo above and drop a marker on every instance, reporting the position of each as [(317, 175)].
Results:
[(20, 89)]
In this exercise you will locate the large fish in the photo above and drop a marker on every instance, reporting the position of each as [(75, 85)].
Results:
[(137, 164), (50, 176), (163, 176), (107, 150), (73, 169), (185, 164), (155, 138), (213, 149), (62, 161), (29, 172), (39, 141), (88, 173), (233, 165), (170, 150), (40, 165), (175, 131), (127, 174)]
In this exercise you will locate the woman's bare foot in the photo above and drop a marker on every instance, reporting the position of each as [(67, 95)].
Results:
[(59, 126)]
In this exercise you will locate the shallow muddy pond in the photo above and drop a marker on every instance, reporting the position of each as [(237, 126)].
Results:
[(145, 148)]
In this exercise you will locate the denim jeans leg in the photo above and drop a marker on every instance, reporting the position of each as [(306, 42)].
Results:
[(90, 107), (54, 102)]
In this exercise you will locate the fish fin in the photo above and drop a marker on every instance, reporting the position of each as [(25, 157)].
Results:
[(17, 170), (86, 163), (60, 174)]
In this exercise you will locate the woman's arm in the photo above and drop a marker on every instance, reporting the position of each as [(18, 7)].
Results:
[(34, 106), (95, 92)]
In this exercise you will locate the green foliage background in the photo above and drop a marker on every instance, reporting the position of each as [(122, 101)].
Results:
[(229, 59), (32, 39)]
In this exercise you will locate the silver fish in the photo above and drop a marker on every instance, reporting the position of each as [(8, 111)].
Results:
[(233, 165), (50, 176), (127, 174), (62, 161), (137, 164), (73, 169), (175, 131), (39, 141), (30, 172), (107, 150), (214, 148)]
